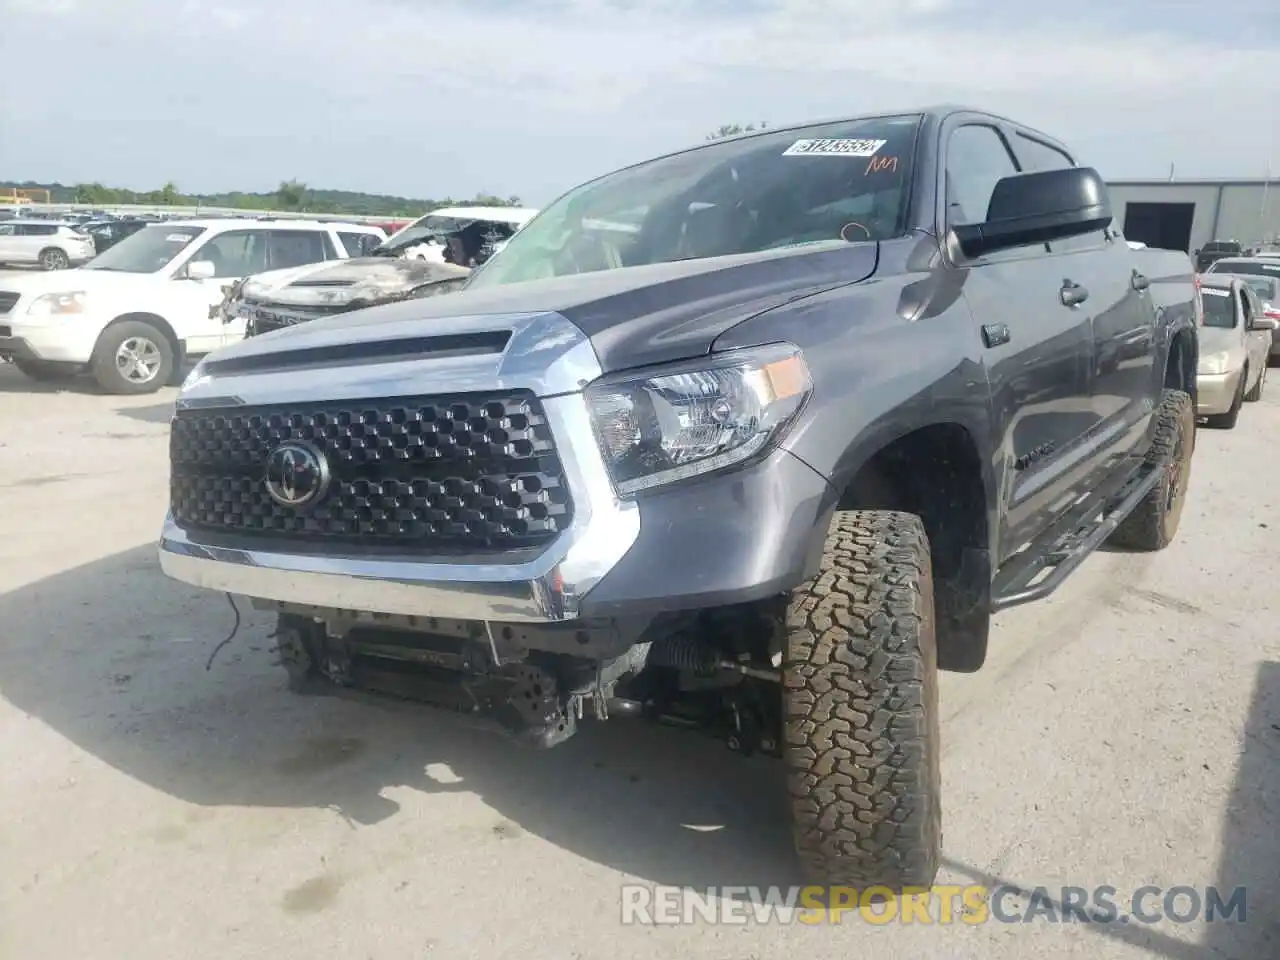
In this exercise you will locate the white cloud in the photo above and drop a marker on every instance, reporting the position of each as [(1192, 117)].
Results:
[(535, 95)]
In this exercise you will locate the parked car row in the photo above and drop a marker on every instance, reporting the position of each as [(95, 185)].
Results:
[(156, 295), (134, 314)]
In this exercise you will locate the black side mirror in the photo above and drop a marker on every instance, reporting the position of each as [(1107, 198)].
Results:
[(1033, 208)]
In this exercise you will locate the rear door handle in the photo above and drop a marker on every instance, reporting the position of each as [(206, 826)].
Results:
[(1072, 294), (995, 334), (1139, 281)]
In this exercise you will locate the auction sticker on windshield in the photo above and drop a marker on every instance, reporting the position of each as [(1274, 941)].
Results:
[(834, 148)]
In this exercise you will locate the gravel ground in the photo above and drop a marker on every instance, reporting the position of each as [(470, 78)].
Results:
[(1125, 732)]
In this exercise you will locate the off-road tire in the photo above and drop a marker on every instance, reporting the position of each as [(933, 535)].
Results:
[(47, 371), (1254, 395), (53, 258), (1227, 421), (860, 707), (103, 365), (1154, 521)]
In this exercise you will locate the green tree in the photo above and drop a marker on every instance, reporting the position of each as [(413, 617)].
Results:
[(95, 193), (735, 129), (169, 195), (291, 195)]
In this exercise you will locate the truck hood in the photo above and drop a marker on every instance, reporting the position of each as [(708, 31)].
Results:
[(367, 280), (60, 281), (1219, 340), (634, 316)]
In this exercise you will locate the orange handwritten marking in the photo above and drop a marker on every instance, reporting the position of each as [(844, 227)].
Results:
[(878, 164)]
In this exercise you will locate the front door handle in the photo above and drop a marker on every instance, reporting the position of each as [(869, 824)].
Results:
[(1072, 294), (1139, 281)]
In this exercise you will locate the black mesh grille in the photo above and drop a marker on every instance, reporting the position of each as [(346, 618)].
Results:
[(467, 472), (263, 317)]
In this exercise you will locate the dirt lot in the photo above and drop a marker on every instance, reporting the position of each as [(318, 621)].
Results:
[(1126, 732)]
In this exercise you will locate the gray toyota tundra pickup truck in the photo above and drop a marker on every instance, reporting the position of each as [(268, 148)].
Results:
[(753, 437)]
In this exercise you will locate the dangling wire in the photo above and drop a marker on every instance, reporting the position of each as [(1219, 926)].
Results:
[(230, 636)]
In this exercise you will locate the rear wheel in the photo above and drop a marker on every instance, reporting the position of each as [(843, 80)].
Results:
[(54, 259), (860, 700), (132, 357), (1154, 521)]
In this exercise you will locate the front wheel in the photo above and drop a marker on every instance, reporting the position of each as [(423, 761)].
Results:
[(1254, 395), (860, 702), (1228, 420), (132, 357)]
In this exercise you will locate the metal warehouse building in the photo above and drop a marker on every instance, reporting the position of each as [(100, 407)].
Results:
[(1186, 214)]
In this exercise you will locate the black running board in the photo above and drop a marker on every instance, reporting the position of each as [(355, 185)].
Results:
[(1024, 579)]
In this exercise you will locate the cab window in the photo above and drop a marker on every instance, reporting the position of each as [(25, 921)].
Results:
[(977, 159), (236, 253)]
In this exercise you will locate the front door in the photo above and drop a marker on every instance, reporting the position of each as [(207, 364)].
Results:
[(233, 255), (1037, 352), (8, 243)]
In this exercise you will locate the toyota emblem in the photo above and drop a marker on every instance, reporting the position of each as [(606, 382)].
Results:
[(297, 474)]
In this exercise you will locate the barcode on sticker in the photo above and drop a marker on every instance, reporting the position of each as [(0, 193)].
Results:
[(834, 148)]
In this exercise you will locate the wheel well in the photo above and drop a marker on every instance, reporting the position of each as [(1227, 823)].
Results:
[(1180, 369), (160, 323), (936, 473)]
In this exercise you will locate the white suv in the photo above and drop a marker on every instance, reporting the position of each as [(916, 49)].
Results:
[(136, 312), (52, 245)]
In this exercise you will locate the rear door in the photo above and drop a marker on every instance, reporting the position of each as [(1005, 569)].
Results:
[(1100, 268), (30, 239), (1037, 352)]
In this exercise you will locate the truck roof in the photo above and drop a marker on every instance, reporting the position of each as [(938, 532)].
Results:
[(219, 223), (500, 214)]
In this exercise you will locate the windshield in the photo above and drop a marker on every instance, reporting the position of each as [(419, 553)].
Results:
[(838, 181), (147, 251), (1219, 307), (1257, 268)]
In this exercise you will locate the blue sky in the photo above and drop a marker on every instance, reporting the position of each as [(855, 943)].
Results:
[(430, 98)]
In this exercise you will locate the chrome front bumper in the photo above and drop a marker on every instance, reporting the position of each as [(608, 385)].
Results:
[(547, 587)]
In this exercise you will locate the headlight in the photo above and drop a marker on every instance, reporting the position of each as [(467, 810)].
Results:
[(195, 376), (1214, 364), (696, 417), (56, 304)]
